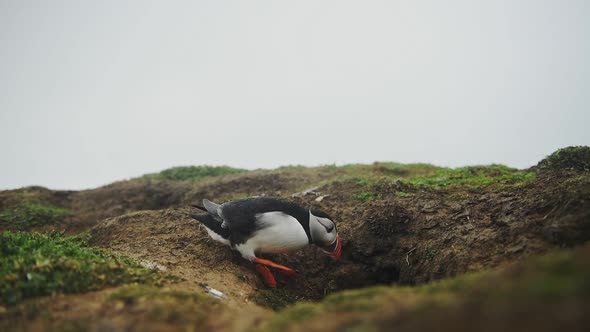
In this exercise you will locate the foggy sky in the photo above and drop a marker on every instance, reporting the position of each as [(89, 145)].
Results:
[(97, 91)]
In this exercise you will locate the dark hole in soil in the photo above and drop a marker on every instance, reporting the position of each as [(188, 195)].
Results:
[(386, 276)]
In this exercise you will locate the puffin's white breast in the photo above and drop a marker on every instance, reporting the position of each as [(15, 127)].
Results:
[(276, 232)]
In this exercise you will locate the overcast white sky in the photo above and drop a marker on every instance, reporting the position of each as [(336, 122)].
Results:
[(97, 91)]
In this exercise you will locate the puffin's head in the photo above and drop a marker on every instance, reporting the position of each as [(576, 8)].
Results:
[(324, 234)]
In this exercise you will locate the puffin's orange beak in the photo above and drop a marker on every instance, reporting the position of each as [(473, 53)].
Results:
[(334, 250)]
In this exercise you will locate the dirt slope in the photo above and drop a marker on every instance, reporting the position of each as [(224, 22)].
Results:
[(175, 243), (400, 225)]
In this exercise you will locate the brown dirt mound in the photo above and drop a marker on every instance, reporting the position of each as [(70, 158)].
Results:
[(90, 206), (433, 234), (407, 239), (172, 241)]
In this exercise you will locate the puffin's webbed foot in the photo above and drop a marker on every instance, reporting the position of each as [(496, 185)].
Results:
[(283, 269), (268, 277)]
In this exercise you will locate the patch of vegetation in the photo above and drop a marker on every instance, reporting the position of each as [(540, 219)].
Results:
[(365, 196), (291, 316), (379, 170), (572, 157), (182, 173), (358, 299), (26, 214), (472, 176), (344, 302), (465, 282), (292, 168), (560, 277), (430, 254), (363, 182), (404, 170), (34, 264), (190, 309), (232, 196), (275, 299), (559, 274), (138, 292)]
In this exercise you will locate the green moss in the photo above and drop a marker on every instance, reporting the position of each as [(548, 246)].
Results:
[(451, 285), (363, 182), (559, 274), (358, 299), (362, 326), (293, 315), (182, 173), (341, 302), (275, 299), (166, 304), (237, 195), (572, 157), (296, 168), (472, 176), (33, 264), (404, 170), (25, 214), (134, 292), (430, 254), (382, 170), (365, 196)]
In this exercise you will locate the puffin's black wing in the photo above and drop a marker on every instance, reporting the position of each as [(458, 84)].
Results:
[(241, 214)]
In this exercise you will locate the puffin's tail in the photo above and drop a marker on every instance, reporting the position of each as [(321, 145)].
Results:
[(202, 208), (212, 224)]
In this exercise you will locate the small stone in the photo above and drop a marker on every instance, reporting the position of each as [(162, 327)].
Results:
[(321, 198)]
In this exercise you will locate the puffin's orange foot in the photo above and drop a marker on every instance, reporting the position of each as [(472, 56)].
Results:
[(283, 269), (269, 279)]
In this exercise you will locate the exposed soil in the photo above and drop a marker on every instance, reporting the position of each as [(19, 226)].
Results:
[(173, 242)]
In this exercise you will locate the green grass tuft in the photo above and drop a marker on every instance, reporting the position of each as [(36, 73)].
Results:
[(26, 214), (472, 176), (572, 157), (182, 173), (365, 196), (404, 170), (34, 264)]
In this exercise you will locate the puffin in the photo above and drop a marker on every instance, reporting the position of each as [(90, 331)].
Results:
[(258, 225)]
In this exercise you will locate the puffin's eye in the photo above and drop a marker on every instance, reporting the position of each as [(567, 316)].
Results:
[(330, 228)]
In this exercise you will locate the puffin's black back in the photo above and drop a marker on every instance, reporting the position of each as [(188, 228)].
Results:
[(241, 214)]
